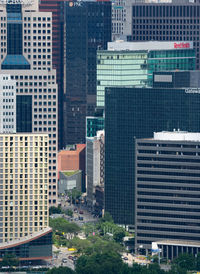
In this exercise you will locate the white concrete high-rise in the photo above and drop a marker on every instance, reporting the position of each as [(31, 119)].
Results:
[(7, 104), (95, 165)]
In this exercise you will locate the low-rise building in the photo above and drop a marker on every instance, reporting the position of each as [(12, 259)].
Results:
[(73, 159), (69, 179)]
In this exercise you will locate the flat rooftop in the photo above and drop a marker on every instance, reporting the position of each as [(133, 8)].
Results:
[(177, 136)]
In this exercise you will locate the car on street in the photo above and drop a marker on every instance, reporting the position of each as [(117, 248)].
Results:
[(70, 257), (64, 260), (80, 211), (125, 258)]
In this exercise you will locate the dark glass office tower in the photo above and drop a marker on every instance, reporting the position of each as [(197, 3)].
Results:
[(14, 58), (176, 21), (137, 113), (87, 28)]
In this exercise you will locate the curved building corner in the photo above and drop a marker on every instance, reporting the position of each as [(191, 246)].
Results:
[(37, 246)]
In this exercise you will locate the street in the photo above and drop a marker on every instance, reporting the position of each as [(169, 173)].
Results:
[(59, 254)]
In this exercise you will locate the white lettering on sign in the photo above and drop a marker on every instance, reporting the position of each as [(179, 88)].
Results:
[(192, 90)]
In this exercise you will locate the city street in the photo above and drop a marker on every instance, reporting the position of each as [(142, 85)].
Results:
[(87, 216), (58, 255)]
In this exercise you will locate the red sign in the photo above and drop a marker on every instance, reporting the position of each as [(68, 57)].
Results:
[(181, 45)]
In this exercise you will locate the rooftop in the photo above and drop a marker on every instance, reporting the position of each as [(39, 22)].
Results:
[(149, 45), (70, 172), (177, 136)]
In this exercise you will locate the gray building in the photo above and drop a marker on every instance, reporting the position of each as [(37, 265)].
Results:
[(167, 187), (69, 179), (94, 165)]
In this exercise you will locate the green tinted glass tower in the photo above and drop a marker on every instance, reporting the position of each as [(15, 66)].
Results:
[(128, 64)]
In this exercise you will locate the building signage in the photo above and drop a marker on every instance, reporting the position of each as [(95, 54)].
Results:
[(192, 90), (181, 45), (75, 4)]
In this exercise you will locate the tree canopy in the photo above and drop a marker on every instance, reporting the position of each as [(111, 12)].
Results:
[(63, 226), (60, 270)]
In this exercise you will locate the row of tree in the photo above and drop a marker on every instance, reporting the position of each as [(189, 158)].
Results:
[(106, 263)]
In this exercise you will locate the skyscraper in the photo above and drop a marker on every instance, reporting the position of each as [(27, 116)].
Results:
[(137, 113), (26, 57), (56, 8), (177, 20), (87, 28)]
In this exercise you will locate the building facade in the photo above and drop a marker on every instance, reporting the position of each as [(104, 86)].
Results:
[(136, 113), (121, 18), (26, 57), (130, 64), (56, 8), (69, 180), (167, 190), (7, 104), (167, 21), (94, 124), (88, 27), (95, 166), (73, 158), (24, 183)]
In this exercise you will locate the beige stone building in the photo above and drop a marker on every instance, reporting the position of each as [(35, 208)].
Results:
[(24, 183)]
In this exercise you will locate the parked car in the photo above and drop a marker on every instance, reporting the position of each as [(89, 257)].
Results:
[(81, 212), (64, 260)]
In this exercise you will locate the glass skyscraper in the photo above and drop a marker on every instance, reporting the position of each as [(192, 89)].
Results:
[(136, 113), (122, 67)]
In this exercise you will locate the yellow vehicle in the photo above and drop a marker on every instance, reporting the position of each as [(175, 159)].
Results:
[(72, 249)]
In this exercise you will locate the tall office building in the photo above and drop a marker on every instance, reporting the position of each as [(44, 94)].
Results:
[(24, 207), (167, 192), (177, 20), (87, 28), (94, 165), (130, 64), (137, 113), (56, 8), (26, 55)]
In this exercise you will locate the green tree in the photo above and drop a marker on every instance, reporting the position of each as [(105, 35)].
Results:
[(10, 260), (100, 263), (81, 245), (63, 226), (60, 270), (107, 218), (185, 261), (198, 262), (69, 212), (119, 234)]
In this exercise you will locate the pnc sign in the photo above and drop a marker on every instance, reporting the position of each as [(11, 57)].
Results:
[(181, 45)]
